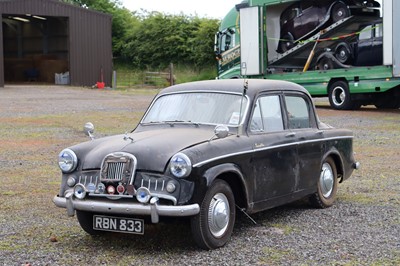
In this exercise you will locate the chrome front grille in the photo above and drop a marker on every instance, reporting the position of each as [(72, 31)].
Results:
[(115, 171), (119, 167)]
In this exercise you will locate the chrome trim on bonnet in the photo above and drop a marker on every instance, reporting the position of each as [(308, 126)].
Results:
[(125, 208)]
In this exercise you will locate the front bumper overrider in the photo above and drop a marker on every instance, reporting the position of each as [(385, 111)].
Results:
[(125, 208)]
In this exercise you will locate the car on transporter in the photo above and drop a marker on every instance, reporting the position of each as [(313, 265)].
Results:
[(304, 18), (201, 151)]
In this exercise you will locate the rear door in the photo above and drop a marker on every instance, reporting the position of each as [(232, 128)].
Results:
[(302, 123)]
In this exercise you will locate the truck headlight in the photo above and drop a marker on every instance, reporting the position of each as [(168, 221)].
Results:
[(67, 161), (180, 165)]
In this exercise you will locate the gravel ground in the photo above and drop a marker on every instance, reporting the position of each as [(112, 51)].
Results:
[(363, 228)]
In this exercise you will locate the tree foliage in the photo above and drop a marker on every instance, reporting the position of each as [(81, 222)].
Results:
[(154, 39), (122, 19), (161, 39)]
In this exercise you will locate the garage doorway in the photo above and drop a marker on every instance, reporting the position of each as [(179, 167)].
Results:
[(35, 49)]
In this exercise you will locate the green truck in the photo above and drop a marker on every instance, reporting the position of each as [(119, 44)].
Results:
[(330, 61)]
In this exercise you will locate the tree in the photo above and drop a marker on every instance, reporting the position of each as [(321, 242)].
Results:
[(154, 39), (161, 39), (122, 19)]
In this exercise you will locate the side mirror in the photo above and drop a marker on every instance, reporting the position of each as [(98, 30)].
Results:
[(89, 129), (221, 131)]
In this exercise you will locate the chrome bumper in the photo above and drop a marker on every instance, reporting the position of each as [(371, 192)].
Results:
[(125, 208)]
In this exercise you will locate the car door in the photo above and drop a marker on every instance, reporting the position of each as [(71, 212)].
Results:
[(369, 50), (309, 17), (274, 161), (302, 124)]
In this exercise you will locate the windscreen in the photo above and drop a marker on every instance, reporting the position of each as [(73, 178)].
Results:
[(197, 107)]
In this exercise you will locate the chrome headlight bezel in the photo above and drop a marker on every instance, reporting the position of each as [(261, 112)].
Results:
[(67, 161), (180, 165)]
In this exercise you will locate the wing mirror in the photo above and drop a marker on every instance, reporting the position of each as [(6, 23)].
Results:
[(89, 129), (221, 131)]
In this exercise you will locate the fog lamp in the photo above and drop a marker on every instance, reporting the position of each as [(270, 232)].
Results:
[(80, 191), (143, 195)]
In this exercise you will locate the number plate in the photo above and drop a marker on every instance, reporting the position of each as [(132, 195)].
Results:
[(118, 224)]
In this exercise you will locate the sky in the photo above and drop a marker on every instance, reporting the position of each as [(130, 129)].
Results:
[(203, 8)]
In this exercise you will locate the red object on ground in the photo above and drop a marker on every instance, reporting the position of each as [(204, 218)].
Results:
[(100, 85)]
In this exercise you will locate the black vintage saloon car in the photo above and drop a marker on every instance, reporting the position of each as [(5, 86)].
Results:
[(202, 150)]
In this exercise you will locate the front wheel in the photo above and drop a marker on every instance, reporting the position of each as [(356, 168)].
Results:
[(327, 185), (325, 63), (213, 226), (286, 43)]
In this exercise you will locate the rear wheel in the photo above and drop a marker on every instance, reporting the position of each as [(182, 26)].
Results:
[(213, 226), (327, 185), (339, 96), (286, 43), (339, 12)]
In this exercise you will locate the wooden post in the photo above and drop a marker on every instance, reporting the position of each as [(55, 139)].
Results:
[(171, 74)]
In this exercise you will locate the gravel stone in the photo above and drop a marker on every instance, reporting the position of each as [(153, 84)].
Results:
[(362, 228)]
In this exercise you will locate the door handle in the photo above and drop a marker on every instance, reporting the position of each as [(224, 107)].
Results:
[(291, 134)]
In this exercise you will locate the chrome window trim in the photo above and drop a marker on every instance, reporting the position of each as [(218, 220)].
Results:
[(199, 91)]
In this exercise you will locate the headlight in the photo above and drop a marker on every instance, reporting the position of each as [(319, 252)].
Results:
[(180, 165), (67, 161)]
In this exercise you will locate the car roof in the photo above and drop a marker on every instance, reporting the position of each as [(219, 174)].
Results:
[(254, 86)]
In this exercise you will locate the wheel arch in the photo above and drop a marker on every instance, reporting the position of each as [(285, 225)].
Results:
[(329, 12), (333, 80), (231, 174), (335, 155)]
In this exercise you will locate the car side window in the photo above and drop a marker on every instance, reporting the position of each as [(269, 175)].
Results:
[(267, 115), (366, 33), (298, 112)]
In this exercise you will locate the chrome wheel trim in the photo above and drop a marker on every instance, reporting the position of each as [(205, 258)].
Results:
[(338, 96), (342, 55), (218, 215), (326, 180)]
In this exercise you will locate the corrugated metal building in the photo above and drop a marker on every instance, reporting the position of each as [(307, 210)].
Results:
[(40, 38)]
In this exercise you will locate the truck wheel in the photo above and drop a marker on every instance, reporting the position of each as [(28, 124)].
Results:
[(85, 220), (342, 52), (213, 226), (339, 96), (327, 185), (339, 12), (286, 43)]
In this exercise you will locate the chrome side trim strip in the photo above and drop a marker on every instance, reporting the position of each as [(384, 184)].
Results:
[(199, 164)]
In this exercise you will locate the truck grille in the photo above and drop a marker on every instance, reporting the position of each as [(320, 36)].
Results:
[(119, 167)]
